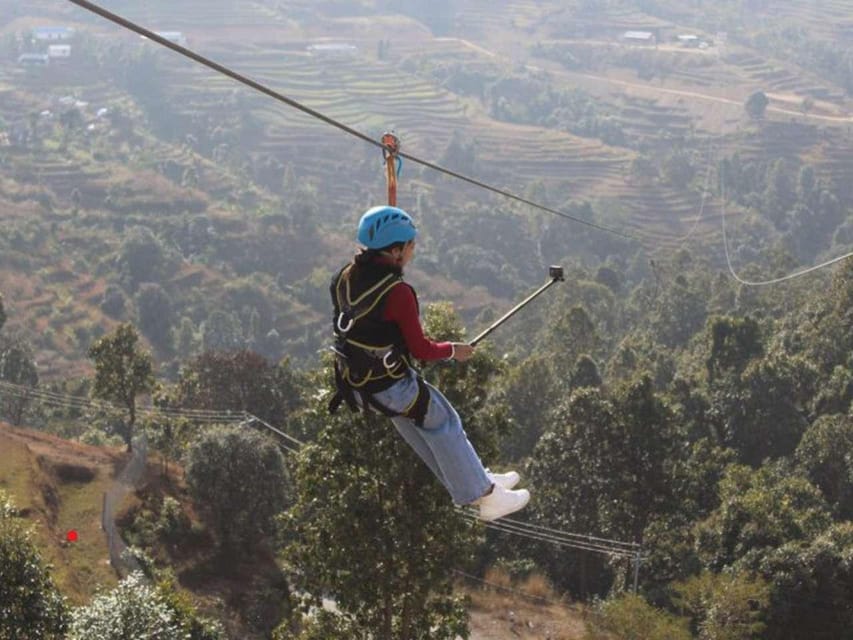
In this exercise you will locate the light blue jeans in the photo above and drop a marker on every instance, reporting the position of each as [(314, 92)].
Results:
[(441, 443)]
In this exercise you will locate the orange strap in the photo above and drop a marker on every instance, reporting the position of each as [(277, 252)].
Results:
[(391, 145)]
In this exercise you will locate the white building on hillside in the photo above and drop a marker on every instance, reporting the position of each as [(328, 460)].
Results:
[(639, 37), (333, 50), (59, 51)]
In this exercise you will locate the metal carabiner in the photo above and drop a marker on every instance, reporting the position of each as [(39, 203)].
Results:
[(385, 360), (340, 321)]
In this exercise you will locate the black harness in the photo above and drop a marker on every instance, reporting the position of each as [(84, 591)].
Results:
[(370, 353)]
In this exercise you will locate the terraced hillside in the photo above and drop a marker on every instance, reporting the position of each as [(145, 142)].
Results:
[(380, 77), (371, 95), (355, 91)]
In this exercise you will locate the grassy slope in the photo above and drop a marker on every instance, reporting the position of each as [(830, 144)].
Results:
[(520, 611), (37, 470)]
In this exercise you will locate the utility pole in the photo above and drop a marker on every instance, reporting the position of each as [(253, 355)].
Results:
[(637, 559)]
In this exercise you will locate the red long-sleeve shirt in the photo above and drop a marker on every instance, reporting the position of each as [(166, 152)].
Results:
[(402, 309)]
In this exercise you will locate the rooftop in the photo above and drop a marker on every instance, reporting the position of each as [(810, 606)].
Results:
[(332, 46), (638, 35)]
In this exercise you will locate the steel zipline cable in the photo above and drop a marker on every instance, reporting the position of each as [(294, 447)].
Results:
[(262, 88), (761, 283), (726, 250)]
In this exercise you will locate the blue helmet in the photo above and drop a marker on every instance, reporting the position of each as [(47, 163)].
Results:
[(383, 226)]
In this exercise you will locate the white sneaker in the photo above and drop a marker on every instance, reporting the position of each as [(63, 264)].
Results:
[(507, 480), (502, 502)]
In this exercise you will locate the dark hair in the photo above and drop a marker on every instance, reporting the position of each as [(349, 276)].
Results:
[(366, 255)]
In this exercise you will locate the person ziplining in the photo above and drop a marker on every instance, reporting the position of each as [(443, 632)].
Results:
[(377, 333)]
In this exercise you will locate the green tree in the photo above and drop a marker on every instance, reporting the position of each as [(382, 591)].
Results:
[(18, 366), (134, 609), (186, 616), (696, 477), (237, 477), (836, 394), (760, 413), (560, 478), (756, 105), (185, 339), (579, 334), (779, 196), (812, 585), (825, 454), (760, 510), (734, 342), (141, 257), (239, 381), (629, 617), (222, 331), (605, 470), (681, 312), (114, 301), (123, 371), (529, 392), (30, 604), (169, 435), (724, 606), (154, 309), (585, 373), (372, 527)]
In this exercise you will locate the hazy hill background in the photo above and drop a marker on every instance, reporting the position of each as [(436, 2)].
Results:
[(220, 200)]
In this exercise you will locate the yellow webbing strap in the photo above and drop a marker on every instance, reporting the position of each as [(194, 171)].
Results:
[(350, 303)]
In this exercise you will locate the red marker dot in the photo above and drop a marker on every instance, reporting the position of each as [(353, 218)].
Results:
[(71, 536)]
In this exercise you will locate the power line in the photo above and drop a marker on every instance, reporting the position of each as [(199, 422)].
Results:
[(563, 536), (290, 449), (509, 528), (82, 404), (539, 533), (196, 415), (507, 525), (262, 88), (543, 534), (580, 536), (263, 423)]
